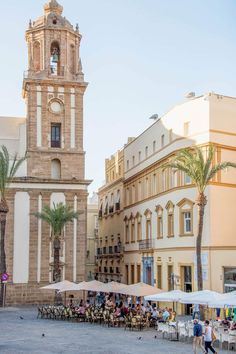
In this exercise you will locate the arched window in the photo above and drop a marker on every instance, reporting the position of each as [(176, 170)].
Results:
[(148, 215), (56, 169), (159, 211), (55, 58), (185, 217), (118, 200), (72, 59), (36, 56), (170, 219)]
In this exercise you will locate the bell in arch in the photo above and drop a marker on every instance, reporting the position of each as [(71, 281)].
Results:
[(55, 55)]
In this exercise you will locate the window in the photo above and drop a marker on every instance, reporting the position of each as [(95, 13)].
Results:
[(132, 230), (133, 193), (159, 212), (139, 229), (187, 179), (118, 200), (186, 129), (138, 273), (229, 279), (56, 135), (127, 164), (148, 215), (139, 190), (162, 140), (187, 222), (174, 178), (139, 156), (56, 169), (159, 276), (154, 146), (170, 219), (185, 217), (133, 159), (126, 230), (146, 151)]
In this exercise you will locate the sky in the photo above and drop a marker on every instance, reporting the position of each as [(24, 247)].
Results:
[(140, 57)]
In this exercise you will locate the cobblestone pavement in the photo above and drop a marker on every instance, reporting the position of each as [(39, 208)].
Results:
[(22, 333)]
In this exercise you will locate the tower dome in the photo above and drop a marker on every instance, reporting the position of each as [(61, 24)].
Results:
[(54, 7)]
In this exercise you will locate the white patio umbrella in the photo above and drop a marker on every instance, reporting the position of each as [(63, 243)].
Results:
[(139, 290), (169, 296), (112, 287), (203, 297), (73, 287), (62, 285), (227, 299)]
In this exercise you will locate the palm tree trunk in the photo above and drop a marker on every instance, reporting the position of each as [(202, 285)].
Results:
[(57, 270), (201, 202), (3, 267)]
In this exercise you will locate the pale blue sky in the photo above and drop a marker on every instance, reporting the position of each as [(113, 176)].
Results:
[(140, 57)]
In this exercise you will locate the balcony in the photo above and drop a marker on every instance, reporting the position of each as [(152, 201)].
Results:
[(146, 245)]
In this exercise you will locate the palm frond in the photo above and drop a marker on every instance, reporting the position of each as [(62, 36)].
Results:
[(57, 216), (8, 168), (197, 166), (219, 167)]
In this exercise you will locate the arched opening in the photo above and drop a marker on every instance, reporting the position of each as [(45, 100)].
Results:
[(36, 56), (56, 169), (72, 59), (55, 58)]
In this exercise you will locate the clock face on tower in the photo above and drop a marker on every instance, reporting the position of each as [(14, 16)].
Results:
[(55, 107)]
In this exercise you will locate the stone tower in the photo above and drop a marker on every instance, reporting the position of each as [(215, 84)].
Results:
[(52, 135), (53, 88)]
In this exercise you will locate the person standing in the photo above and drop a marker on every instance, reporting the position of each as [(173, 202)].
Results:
[(197, 337), (208, 337)]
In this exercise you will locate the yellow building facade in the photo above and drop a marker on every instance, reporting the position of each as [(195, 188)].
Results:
[(160, 213), (110, 257)]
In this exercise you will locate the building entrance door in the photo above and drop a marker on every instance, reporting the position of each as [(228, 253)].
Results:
[(149, 275), (186, 281)]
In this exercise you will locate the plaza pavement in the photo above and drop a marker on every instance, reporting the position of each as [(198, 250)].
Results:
[(22, 333)]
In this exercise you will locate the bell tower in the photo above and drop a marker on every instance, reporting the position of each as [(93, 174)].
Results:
[(53, 88)]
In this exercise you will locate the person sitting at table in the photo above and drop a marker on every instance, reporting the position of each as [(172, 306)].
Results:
[(138, 309), (172, 317), (225, 323), (143, 309), (160, 317), (109, 302), (233, 326), (117, 312), (166, 314), (155, 313)]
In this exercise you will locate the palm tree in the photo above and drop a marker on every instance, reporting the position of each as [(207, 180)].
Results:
[(57, 217), (8, 168), (200, 168)]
